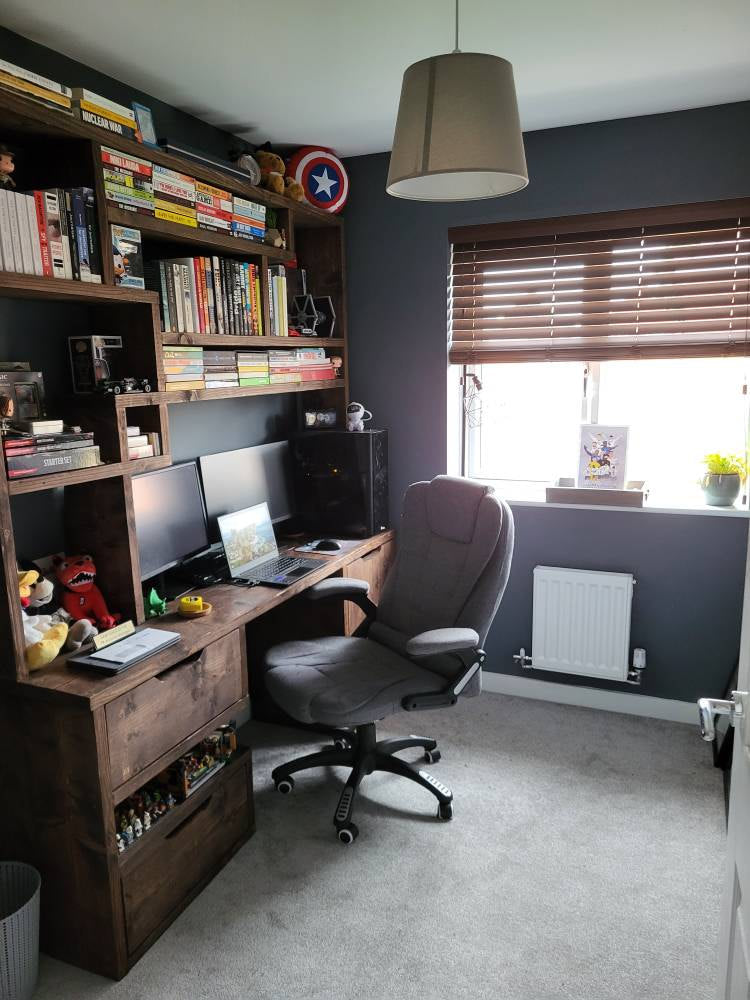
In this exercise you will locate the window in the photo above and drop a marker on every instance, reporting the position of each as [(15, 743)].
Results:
[(636, 318)]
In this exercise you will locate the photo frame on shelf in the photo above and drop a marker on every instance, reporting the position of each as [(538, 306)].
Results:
[(145, 121), (603, 457)]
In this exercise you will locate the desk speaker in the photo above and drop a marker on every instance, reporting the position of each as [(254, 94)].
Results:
[(341, 482)]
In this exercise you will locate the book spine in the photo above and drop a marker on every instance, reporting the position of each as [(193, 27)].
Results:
[(115, 159), (238, 295), (92, 228), (38, 440), (24, 234), (102, 122), (228, 320), (41, 226), (271, 314), (219, 305), (29, 466), (169, 272), (81, 233), (64, 233), (141, 451), (179, 298), (180, 220), (6, 240), (38, 449), (36, 247), (36, 78), (121, 115), (164, 298), (206, 296), (187, 296), (71, 233), (81, 94), (211, 296), (199, 327), (54, 233), (259, 302), (51, 97)]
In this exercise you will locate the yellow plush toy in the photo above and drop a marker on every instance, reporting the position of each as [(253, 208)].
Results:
[(43, 640), (271, 170)]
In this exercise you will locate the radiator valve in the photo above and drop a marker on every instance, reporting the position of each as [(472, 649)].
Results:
[(522, 659), (639, 665)]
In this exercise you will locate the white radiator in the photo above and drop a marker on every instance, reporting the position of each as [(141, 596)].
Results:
[(582, 622)]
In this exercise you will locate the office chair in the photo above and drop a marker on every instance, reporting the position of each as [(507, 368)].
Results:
[(419, 649)]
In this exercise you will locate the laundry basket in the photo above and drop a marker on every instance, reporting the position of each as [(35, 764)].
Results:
[(19, 930)]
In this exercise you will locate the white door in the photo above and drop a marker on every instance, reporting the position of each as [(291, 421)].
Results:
[(734, 935)]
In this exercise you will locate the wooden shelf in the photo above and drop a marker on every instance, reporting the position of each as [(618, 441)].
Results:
[(201, 238), (57, 480), (271, 343), (27, 286), (231, 392)]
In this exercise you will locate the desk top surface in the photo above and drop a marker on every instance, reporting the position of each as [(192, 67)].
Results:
[(233, 607)]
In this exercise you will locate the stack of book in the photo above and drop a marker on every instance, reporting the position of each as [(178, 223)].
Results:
[(248, 219), (207, 295), (39, 88), (277, 301), (314, 366), (183, 368), (213, 208), (253, 368), (145, 445), (283, 367), (103, 113), (41, 447), (128, 181), (174, 196), (220, 369), (50, 233)]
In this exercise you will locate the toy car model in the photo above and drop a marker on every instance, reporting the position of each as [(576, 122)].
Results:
[(120, 385)]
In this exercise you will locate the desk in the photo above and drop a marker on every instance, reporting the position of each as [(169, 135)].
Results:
[(84, 743)]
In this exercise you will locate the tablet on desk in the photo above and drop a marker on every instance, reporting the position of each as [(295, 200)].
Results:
[(127, 652)]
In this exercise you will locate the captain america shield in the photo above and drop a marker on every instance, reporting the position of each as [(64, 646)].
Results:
[(322, 176)]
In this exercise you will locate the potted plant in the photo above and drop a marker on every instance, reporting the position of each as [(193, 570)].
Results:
[(723, 478)]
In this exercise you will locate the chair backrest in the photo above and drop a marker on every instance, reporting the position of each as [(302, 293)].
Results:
[(455, 545)]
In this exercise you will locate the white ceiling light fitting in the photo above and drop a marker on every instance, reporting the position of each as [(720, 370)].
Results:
[(458, 135)]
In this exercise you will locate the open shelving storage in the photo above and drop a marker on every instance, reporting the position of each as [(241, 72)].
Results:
[(314, 238)]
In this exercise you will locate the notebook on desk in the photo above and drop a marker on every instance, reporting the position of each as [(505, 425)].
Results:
[(252, 553), (127, 652)]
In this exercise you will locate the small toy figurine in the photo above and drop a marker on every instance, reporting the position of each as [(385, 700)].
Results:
[(120, 843), (7, 408), (155, 605), (137, 827), (171, 801), (146, 820), (7, 166), (127, 835), (337, 362), (356, 416)]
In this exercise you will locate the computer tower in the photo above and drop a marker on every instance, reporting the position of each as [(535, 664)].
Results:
[(341, 482)]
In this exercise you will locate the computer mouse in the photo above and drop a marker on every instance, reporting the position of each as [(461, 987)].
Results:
[(326, 545)]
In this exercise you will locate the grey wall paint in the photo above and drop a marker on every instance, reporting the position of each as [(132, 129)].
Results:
[(689, 568), (37, 332)]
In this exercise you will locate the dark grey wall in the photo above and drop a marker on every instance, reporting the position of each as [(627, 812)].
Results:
[(37, 332), (689, 568)]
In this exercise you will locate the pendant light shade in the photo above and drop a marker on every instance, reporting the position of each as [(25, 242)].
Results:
[(458, 134)]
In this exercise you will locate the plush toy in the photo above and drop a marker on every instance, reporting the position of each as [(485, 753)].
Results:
[(356, 415), (81, 597), (42, 643), (45, 610), (293, 189), (271, 169)]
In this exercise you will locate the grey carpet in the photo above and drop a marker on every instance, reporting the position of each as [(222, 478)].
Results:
[(580, 864)]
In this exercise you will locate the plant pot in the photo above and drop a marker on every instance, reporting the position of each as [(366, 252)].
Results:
[(721, 490)]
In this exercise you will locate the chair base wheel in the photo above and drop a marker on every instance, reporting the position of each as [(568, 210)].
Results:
[(341, 743), (285, 785), (432, 756), (347, 834), (445, 810)]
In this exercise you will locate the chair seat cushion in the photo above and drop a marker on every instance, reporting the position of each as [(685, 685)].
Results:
[(340, 681)]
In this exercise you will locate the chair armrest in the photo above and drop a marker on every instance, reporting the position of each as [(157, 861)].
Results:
[(442, 640), (344, 590)]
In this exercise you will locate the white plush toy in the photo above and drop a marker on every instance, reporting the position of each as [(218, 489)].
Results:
[(356, 415)]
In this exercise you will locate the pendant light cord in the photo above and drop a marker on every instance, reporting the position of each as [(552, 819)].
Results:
[(456, 49)]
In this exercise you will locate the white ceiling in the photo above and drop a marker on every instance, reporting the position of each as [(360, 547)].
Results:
[(329, 71)]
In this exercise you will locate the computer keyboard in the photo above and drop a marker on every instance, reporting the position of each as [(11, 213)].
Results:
[(281, 565)]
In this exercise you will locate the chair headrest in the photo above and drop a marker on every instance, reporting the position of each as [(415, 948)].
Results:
[(452, 506)]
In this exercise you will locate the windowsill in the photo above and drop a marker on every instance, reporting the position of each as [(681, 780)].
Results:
[(533, 495)]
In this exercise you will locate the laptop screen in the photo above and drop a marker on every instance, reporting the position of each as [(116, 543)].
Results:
[(248, 538)]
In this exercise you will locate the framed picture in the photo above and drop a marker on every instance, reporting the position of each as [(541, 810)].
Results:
[(145, 121), (603, 457)]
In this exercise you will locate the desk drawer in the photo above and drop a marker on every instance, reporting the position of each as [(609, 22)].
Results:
[(372, 567), (155, 716), (166, 871)]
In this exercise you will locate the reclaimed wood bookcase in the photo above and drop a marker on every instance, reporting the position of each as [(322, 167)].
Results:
[(76, 746)]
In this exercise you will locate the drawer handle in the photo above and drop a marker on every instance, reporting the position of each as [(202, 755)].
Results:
[(371, 555), (195, 658), (189, 819)]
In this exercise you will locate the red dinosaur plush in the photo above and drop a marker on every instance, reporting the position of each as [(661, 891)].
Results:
[(81, 597)]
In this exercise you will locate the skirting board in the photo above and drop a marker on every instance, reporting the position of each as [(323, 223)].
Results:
[(587, 697)]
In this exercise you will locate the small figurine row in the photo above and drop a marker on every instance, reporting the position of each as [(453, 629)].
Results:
[(138, 813)]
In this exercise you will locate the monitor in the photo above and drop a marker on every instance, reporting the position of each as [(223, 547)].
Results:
[(170, 519), (235, 480), (248, 538)]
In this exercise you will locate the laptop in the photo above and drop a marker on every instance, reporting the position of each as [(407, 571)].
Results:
[(252, 553)]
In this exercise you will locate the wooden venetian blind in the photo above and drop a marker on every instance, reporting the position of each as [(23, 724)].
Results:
[(669, 282)]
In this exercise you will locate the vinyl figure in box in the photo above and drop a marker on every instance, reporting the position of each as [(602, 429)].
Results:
[(7, 166), (81, 597)]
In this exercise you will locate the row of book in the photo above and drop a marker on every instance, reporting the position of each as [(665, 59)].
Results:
[(146, 445), (278, 306), (188, 367), (39, 88), (50, 233), (135, 184), (207, 295), (45, 447)]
